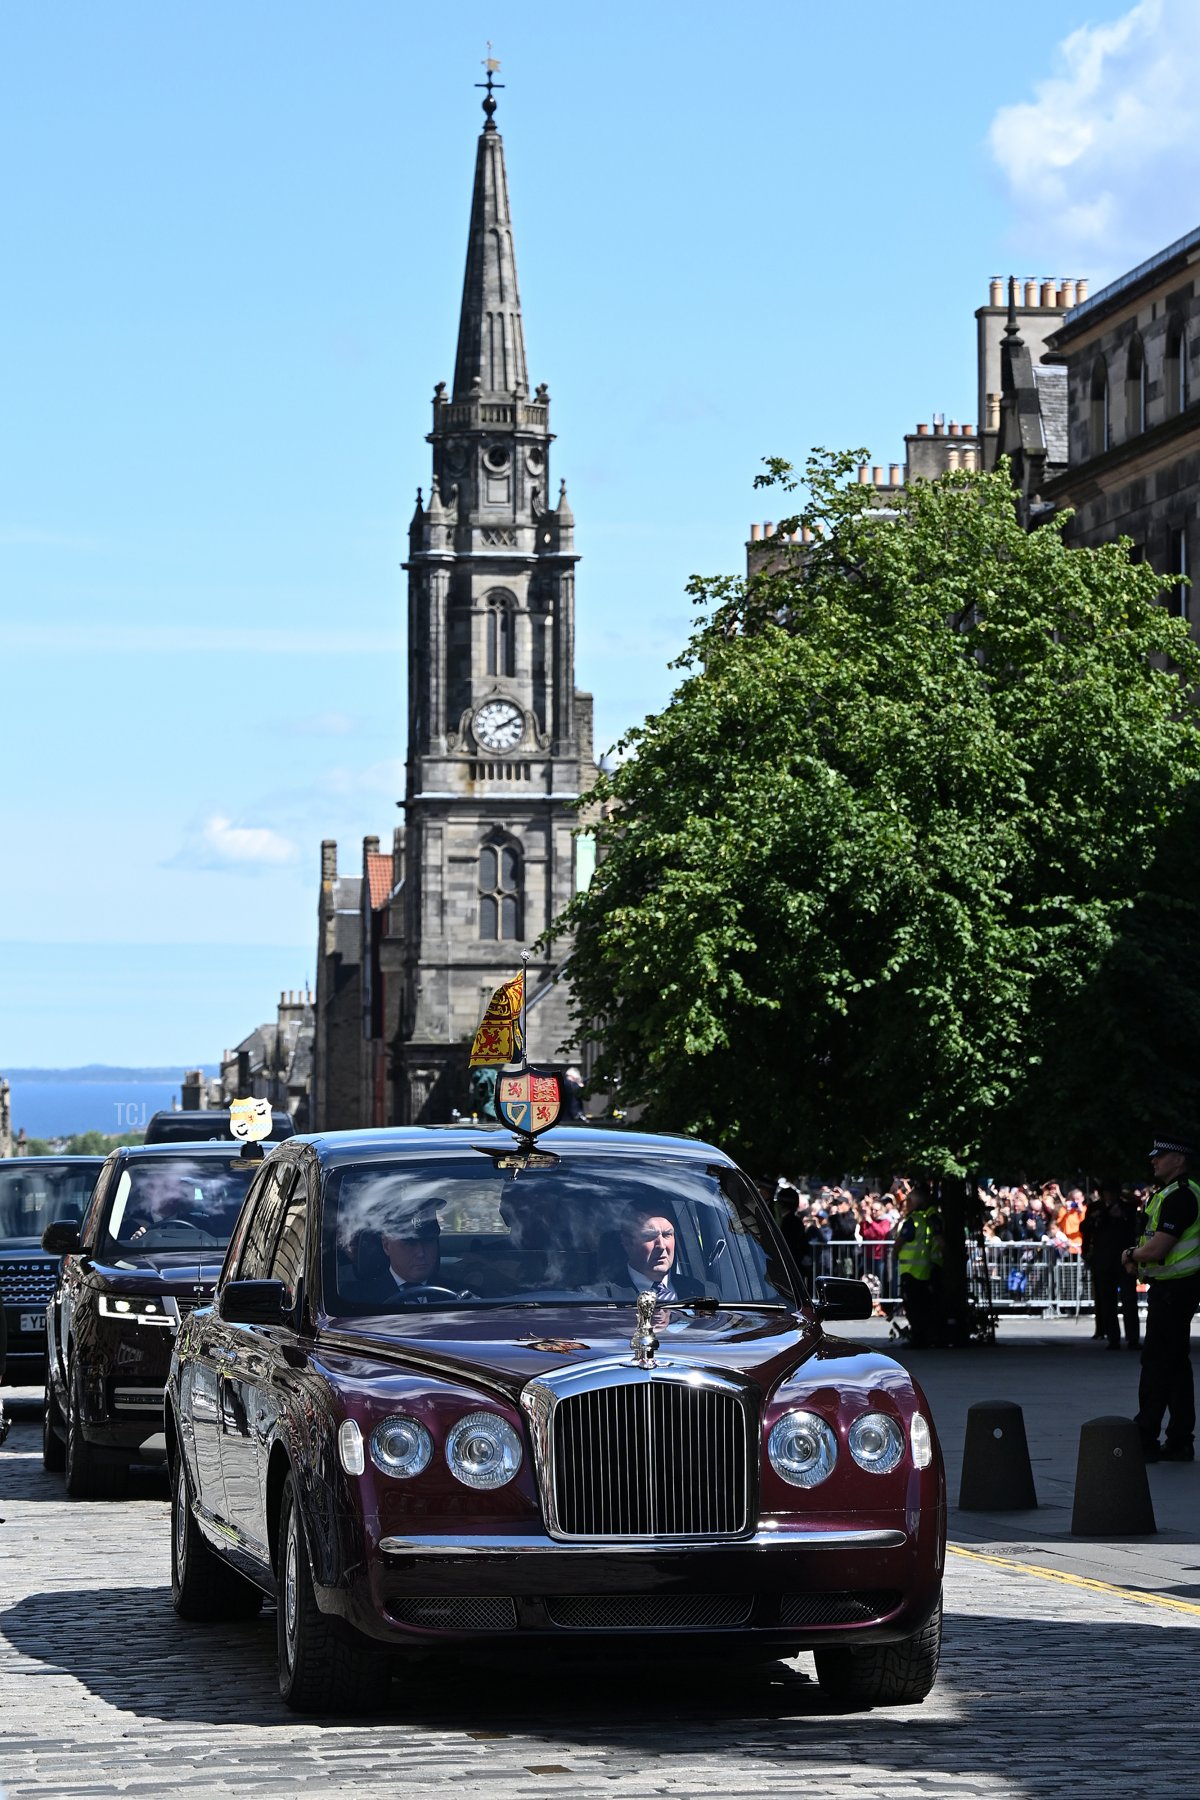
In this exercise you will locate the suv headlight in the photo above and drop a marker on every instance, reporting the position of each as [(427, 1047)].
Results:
[(484, 1451), (876, 1442), (135, 1309), (401, 1446), (802, 1449)]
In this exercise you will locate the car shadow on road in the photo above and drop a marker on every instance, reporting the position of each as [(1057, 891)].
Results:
[(224, 1675)]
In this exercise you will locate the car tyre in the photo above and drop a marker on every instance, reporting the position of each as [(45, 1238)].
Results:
[(54, 1451), (890, 1675), (88, 1475), (319, 1671), (202, 1586)]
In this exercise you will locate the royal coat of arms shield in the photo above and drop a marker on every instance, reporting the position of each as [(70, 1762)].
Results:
[(528, 1101)]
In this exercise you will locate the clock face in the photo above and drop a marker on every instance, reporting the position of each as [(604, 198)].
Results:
[(499, 725)]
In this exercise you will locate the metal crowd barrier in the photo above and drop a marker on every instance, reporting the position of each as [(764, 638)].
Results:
[(1020, 1277)]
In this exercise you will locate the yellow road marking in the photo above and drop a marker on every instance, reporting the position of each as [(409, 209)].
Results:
[(1082, 1581)]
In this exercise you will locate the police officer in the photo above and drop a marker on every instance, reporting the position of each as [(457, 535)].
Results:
[(920, 1253), (1168, 1257)]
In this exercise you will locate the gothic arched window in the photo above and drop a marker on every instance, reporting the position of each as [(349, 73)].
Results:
[(1099, 408), (1135, 389), (501, 649), (499, 892)]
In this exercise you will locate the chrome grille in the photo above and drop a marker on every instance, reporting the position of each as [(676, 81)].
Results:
[(28, 1283), (837, 1608), (650, 1459), (456, 1612), (649, 1612)]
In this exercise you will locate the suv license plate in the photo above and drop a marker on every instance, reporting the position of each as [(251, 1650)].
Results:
[(33, 1321)]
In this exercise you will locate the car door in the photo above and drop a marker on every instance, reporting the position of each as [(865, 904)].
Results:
[(61, 1306), (245, 1370), (201, 1372)]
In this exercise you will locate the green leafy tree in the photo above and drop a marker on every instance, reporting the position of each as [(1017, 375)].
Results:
[(883, 843)]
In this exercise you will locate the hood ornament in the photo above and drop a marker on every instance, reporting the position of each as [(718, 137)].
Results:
[(643, 1343)]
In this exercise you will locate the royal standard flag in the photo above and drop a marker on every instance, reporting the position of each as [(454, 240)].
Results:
[(500, 1038)]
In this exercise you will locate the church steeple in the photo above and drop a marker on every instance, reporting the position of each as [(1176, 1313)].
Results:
[(491, 342)]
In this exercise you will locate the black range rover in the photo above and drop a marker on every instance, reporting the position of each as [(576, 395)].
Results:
[(33, 1191), (147, 1254)]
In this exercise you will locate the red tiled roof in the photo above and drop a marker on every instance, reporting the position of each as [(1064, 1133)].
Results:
[(379, 878)]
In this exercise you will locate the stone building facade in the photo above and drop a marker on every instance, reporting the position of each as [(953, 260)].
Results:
[(499, 737), (1132, 359)]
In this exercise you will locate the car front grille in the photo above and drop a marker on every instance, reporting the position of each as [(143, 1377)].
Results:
[(660, 1459), (837, 1608), (483, 1612), (649, 1612), (28, 1283)]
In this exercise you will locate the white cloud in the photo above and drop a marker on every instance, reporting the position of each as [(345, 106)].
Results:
[(1103, 161), (245, 849)]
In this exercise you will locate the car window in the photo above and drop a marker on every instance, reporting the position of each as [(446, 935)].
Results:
[(34, 1193), (91, 1219), (287, 1262), (264, 1223), (459, 1229), (174, 1202)]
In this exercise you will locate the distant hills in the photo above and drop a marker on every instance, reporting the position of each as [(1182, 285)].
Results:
[(105, 1072)]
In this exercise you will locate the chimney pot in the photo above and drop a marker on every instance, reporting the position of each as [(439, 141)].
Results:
[(863, 474), (768, 529), (996, 291), (894, 472), (1066, 293), (923, 430), (1031, 294), (1049, 291), (877, 476), (939, 428), (993, 412), (755, 534), (806, 536), (968, 431), (1081, 291), (955, 430)]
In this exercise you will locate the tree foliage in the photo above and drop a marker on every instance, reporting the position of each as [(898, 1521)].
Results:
[(923, 802)]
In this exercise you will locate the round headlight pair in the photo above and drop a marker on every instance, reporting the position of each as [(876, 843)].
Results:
[(482, 1451), (803, 1448)]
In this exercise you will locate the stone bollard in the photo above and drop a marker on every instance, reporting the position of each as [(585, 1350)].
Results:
[(1112, 1495), (996, 1476)]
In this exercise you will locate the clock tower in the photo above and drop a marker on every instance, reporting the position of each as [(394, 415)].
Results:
[(499, 738)]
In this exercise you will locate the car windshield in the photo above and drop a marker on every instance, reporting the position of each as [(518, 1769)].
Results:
[(462, 1230), (34, 1193), (176, 1203)]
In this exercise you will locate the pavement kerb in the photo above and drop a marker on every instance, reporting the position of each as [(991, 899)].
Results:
[(1107, 1588)]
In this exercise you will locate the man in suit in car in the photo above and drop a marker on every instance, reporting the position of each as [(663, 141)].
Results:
[(647, 1236), (408, 1267)]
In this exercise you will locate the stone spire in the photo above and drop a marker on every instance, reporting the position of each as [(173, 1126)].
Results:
[(491, 342)]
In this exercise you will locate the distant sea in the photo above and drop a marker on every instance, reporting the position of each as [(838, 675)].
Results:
[(60, 1102)]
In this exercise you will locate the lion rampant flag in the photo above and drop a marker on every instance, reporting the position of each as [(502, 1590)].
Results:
[(500, 1038)]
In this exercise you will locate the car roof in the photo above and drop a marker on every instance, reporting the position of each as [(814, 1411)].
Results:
[(569, 1140), (91, 1161), (189, 1146)]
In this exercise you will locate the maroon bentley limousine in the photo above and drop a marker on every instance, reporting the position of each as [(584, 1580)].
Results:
[(457, 1389)]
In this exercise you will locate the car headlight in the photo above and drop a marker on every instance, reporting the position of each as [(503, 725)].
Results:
[(484, 1451), (921, 1439), (876, 1442), (134, 1309), (401, 1447), (802, 1448)]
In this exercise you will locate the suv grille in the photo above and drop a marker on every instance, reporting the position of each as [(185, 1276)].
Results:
[(650, 1459), (28, 1283), (836, 1609)]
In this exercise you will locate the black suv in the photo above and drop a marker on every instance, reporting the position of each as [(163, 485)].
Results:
[(200, 1127), (33, 1191), (148, 1253)]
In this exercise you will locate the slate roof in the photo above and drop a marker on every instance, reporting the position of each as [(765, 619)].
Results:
[(1051, 380)]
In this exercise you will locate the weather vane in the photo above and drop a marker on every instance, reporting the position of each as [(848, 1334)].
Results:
[(492, 65)]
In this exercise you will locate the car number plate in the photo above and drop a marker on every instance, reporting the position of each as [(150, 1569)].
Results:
[(33, 1321)]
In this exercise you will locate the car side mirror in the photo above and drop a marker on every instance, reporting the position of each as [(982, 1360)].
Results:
[(253, 1303), (838, 1298), (61, 1238)]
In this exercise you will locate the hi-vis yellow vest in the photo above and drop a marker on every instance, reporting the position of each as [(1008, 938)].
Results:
[(1184, 1259), (918, 1255)]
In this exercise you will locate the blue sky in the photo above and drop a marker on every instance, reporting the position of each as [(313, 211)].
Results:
[(234, 240)]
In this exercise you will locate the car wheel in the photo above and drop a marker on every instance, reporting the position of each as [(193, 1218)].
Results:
[(89, 1476), (54, 1451), (891, 1675), (202, 1586), (318, 1670)]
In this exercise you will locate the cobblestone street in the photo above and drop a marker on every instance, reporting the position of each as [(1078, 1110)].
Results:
[(1047, 1687)]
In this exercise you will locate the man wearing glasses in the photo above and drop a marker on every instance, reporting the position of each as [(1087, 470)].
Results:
[(1168, 1257)]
